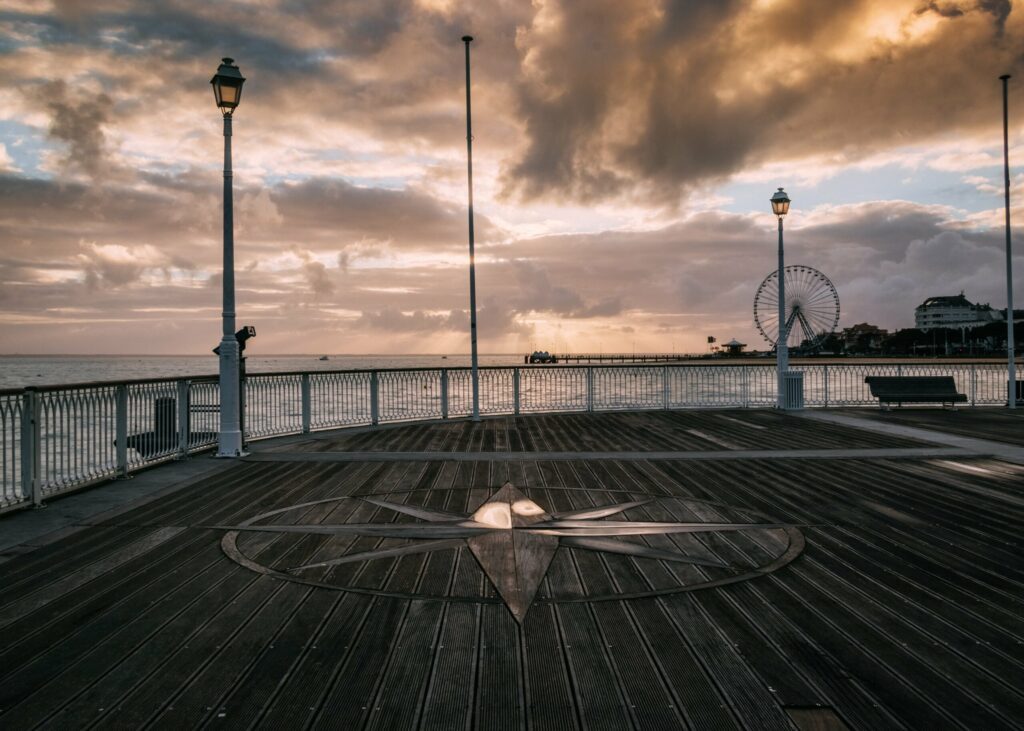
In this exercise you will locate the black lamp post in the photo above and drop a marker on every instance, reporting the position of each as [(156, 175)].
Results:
[(1011, 396), (474, 365), (780, 207), (227, 89)]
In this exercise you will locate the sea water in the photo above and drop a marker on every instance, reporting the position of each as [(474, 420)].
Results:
[(18, 371)]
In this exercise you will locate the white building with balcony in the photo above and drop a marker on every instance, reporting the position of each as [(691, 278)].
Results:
[(953, 312)]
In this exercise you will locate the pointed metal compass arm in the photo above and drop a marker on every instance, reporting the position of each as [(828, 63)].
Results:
[(416, 511), (623, 528), (406, 550), (460, 529), (600, 512), (610, 545), (614, 526)]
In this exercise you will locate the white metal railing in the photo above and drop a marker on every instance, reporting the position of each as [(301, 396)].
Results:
[(60, 438)]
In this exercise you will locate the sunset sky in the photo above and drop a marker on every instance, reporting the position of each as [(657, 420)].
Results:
[(624, 153)]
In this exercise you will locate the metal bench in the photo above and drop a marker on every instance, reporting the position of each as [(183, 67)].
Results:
[(915, 389)]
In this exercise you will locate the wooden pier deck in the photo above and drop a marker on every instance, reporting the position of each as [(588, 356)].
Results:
[(875, 591)]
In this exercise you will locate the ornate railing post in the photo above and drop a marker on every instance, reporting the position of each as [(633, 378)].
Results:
[(121, 430), (307, 411), (825, 379), (444, 393), (590, 388), (31, 454), (374, 402), (666, 389), (745, 388), (184, 419), (974, 383), (515, 391)]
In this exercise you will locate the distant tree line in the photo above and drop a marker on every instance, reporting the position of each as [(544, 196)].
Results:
[(987, 339)]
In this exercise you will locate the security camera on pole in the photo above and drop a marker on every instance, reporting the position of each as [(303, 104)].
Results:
[(227, 89)]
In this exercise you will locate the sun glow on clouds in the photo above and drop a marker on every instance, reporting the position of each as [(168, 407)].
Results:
[(616, 145)]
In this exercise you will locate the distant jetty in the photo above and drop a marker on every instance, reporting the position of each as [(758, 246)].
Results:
[(545, 357)]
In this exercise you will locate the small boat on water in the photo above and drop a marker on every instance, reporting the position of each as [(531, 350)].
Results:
[(324, 357)]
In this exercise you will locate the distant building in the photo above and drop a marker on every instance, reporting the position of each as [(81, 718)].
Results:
[(952, 312), (734, 347), (863, 337)]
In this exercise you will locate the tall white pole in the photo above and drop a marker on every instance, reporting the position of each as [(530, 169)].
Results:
[(229, 441), (1011, 391), (781, 347), (472, 256)]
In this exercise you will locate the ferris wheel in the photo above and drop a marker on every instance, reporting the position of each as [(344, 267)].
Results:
[(812, 307)]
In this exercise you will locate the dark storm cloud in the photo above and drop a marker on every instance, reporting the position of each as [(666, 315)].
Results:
[(998, 9), (392, 319), (47, 222), (332, 210), (494, 321), (615, 97), (945, 9), (884, 229), (112, 250), (78, 120), (319, 279), (531, 289), (884, 258), (180, 29), (625, 96), (643, 100), (50, 224)]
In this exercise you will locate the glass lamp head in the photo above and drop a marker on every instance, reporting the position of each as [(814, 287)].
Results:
[(780, 203), (227, 86)]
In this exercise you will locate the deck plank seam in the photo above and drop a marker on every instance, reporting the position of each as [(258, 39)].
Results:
[(277, 587), (845, 637), (442, 625), (859, 617), (860, 539), (315, 717), (226, 693), (957, 631), (839, 690), (667, 688)]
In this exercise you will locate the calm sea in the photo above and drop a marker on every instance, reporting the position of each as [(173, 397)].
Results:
[(19, 371)]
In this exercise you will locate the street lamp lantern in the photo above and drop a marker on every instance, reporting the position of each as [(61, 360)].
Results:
[(227, 86), (780, 203)]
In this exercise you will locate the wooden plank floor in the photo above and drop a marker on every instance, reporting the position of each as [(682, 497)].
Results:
[(651, 431), (905, 608), (997, 424)]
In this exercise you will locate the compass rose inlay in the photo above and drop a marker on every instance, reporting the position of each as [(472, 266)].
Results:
[(513, 539)]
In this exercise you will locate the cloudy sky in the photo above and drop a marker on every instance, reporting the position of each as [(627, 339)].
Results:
[(624, 155)]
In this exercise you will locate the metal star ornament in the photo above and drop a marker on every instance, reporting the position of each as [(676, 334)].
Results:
[(512, 538)]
